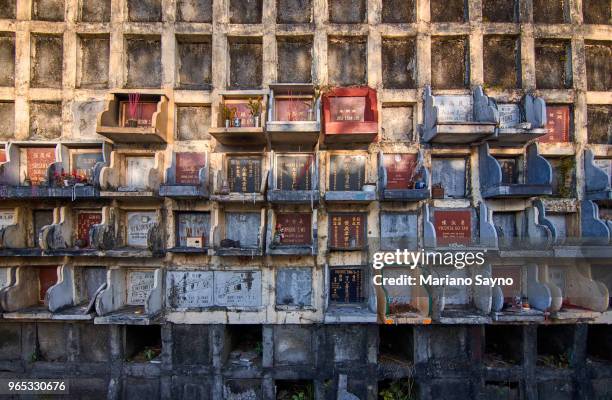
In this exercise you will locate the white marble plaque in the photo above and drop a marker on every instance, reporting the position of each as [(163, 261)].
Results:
[(509, 115), (137, 171), (139, 285), (454, 108), (138, 225), (6, 218), (238, 289), (189, 289)]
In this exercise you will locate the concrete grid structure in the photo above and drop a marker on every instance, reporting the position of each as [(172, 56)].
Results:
[(66, 65)]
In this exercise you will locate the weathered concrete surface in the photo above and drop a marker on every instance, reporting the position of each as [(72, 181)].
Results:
[(194, 10), (550, 11), (7, 120), (499, 10), (8, 9), (94, 62), (553, 64), (45, 120), (398, 11), (295, 60), (144, 10), (190, 345), (95, 11), (599, 66), (293, 11), (245, 63), (7, 60), (448, 10), (245, 11), (347, 11), (193, 122), (46, 64), (449, 57), (596, 12), (48, 10), (347, 61), (397, 123), (194, 63), (399, 63), (144, 67), (599, 127), (501, 62)]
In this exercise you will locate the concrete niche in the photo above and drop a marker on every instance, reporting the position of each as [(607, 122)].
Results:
[(245, 11), (144, 10), (294, 287), (398, 11), (449, 62), (7, 60), (292, 345), (397, 123), (347, 11), (92, 66), (190, 345), (10, 344), (94, 343), (48, 10), (194, 62), (143, 62), (293, 11), (599, 66), (193, 122), (499, 10), (347, 61), (45, 120), (502, 62), (399, 63), (450, 173), (7, 120), (294, 59), (8, 9), (46, 61), (448, 10), (245, 63), (194, 10), (550, 11), (51, 338), (599, 124), (95, 10), (553, 64), (596, 12)]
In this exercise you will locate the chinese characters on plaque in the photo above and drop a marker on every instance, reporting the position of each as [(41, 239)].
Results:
[(347, 173), (189, 289), (188, 167), (453, 227), (400, 170), (85, 221), (294, 228), (557, 124), (347, 109), (139, 286), (193, 228), (38, 160), (138, 226), (346, 285), (244, 174), (347, 231), (294, 172), (454, 108)]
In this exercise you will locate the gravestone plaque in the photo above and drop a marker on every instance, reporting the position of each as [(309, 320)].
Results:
[(509, 115), (189, 289), (193, 228), (509, 170), (398, 296), (557, 124), (83, 163), (294, 109), (450, 174), (41, 218), (138, 225), (137, 171), (244, 174), (346, 172), (294, 228), (38, 160), (453, 227), (400, 170), (347, 231), (515, 273), (188, 167), (346, 285), (454, 108), (238, 289), (294, 172), (4, 277), (294, 287), (91, 280), (85, 221), (6, 218), (243, 227), (347, 109), (455, 294), (47, 277), (398, 231), (560, 223), (556, 276), (605, 165), (139, 286)]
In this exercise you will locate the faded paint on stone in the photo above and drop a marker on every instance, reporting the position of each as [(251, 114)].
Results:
[(294, 60), (237, 289), (243, 227), (194, 10), (294, 287), (93, 67), (397, 123), (449, 60), (84, 114), (398, 231), (7, 60), (193, 122), (293, 11), (450, 173), (46, 65), (139, 286), (45, 120), (347, 63), (189, 289), (143, 63)]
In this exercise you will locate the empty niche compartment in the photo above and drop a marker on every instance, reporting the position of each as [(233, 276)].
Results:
[(241, 119), (294, 288), (144, 10), (448, 11), (239, 233), (292, 389), (246, 61), (502, 62), (192, 231), (194, 11), (294, 59), (503, 346), (242, 388), (292, 232), (45, 120), (449, 177), (242, 177), (347, 60), (245, 11), (144, 69), (402, 177), (551, 12), (510, 390), (523, 298), (397, 123), (559, 124), (7, 122), (450, 62), (347, 231), (94, 11), (187, 177), (93, 61), (500, 10), (398, 11), (599, 124), (294, 179), (555, 346), (566, 227), (131, 172), (243, 345), (399, 63), (193, 121), (599, 344), (398, 387), (74, 294), (293, 11), (396, 350), (194, 63), (48, 10), (46, 67), (347, 11), (26, 296), (133, 117), (142, 343), (294, 116), (563, 176), (398, 300), (598, 68), (348, 180), (596, 12), (553, 63), (575, 294), (7, 59)]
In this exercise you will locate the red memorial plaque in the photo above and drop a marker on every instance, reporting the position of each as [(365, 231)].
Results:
[(47, 277), (557, 125), (400, 170), (294, 109), (453, 227), (85, 221), (294, 228), (38, 161), (142, 114), (347, 231), (2, 156), (188, 167)]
